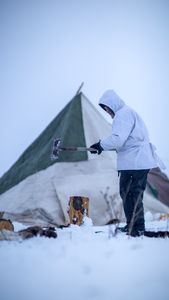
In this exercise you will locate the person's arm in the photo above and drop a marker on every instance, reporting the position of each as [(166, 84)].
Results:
[(121, 130)]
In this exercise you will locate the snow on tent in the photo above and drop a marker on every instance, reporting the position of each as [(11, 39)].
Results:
[(36, 190)]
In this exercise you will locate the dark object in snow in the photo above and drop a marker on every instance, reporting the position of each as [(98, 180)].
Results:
[(30, 232), (63, 226), (151, 234), (37, 231), (6, 225), (123, 229), (113, 221), (78, 209), (49, 232), (157, 234)]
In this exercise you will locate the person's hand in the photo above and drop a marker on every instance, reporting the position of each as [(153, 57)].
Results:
[(98, 148)]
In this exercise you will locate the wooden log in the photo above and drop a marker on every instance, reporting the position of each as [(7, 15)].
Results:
[(78, 208)]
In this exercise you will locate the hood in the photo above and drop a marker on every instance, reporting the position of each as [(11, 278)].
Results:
[(112, 100)]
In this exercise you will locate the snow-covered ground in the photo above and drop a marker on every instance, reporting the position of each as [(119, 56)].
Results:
[(82, 264)]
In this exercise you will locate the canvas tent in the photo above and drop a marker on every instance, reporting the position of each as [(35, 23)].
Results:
[(36, 190)]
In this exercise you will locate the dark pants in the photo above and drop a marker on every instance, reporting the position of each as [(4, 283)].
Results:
[(132, 186)]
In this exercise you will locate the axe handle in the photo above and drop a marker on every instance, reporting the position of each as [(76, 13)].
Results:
[(76, 149)]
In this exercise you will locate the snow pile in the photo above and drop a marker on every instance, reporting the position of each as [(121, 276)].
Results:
[(87, 222), (82, 264)]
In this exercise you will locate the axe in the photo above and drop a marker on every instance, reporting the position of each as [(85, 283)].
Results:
[(57, 148)]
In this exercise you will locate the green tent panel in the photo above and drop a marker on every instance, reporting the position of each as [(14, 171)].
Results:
[(68, 126)]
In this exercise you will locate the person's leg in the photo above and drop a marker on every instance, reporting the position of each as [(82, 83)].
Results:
[(125, 183), (137, 188)]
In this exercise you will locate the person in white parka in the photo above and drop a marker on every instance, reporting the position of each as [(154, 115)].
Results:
[(135, 157)]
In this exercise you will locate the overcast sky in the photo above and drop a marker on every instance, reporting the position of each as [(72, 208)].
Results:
[(49, 47)]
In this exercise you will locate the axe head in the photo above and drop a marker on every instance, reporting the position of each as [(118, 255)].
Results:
[(55, 148)]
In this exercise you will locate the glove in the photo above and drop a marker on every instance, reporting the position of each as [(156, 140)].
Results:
[(98, 148)]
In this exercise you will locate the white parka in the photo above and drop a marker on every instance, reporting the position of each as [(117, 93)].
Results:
[(129, 136)]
